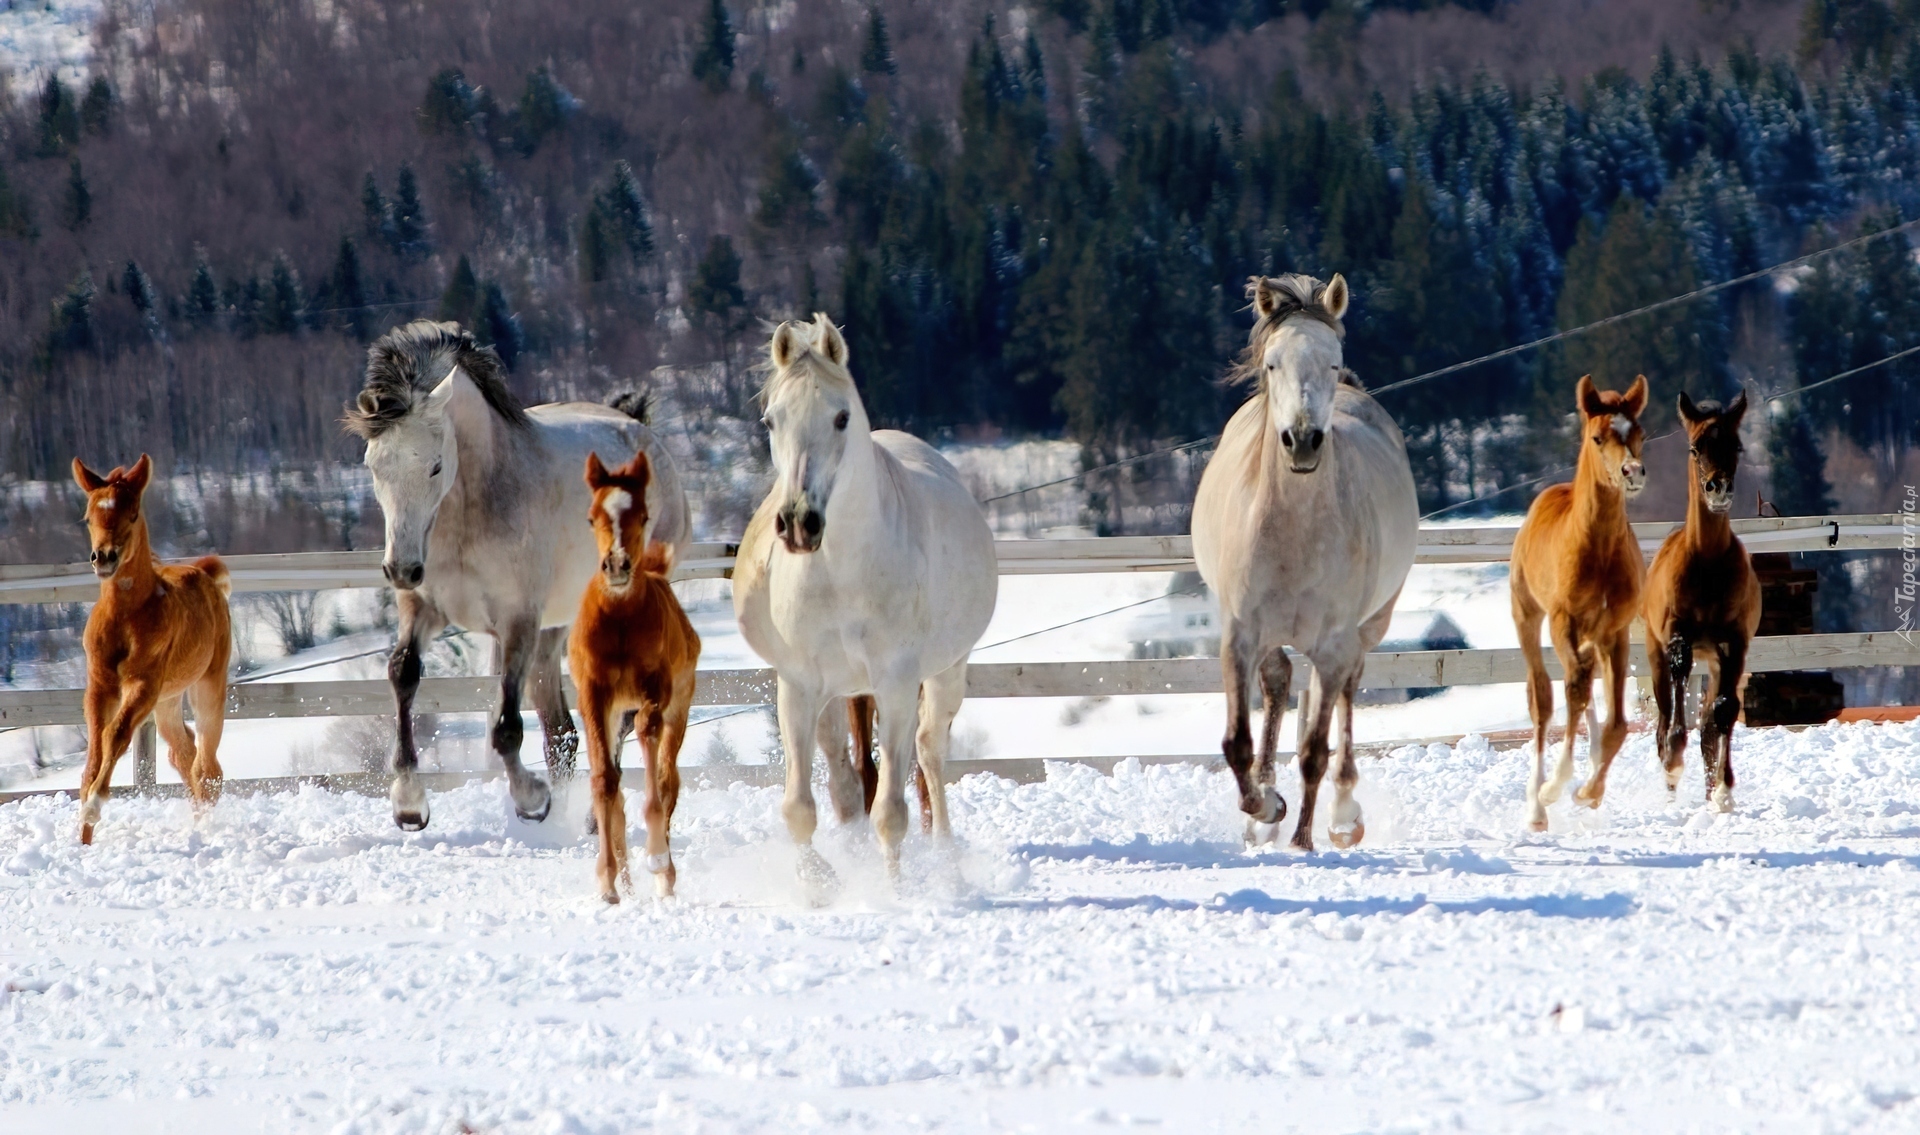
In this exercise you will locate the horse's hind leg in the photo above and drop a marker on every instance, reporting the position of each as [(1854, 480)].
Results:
[(1316, 715), (1276, 686), (561, 740), (1663, 715), (171, 718), (1258, 801), (1678, 665), (940, 698), (843, 776), (798, 712), (1605, 745), (1346, 828)]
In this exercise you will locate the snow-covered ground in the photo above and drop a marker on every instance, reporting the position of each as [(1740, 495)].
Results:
[(1099, 953), (38, 37)]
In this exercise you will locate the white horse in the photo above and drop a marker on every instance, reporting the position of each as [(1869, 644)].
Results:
[(484, 507), (1304, 527), (868, 570)]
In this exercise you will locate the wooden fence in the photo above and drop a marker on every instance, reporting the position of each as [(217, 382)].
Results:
[(1439, 544)]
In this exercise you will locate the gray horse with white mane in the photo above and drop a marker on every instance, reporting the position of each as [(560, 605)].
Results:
[(486, 518), (1304, 526)]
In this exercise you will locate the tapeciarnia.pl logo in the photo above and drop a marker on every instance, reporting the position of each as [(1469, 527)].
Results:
[(1905, 593)]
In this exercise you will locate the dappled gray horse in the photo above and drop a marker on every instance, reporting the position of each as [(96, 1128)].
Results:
[(486, 530), (1304, 525)]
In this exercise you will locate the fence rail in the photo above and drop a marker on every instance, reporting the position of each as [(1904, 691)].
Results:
[(1384, 670), (1439, 544)]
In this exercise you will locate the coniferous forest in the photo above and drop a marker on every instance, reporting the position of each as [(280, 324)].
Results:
[(1031, 220)]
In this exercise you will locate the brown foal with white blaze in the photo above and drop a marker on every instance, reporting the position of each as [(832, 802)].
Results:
[(632, 651), (157, 634), (1577, 566), (1703, 602)]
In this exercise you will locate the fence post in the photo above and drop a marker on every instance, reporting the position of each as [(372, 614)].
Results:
[(146, 746)]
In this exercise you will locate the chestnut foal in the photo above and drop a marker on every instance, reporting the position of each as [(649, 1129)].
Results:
[(1703, 601), (1577, 565), (157, 633), (632, 653)]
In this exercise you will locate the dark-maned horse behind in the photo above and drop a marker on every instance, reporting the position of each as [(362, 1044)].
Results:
[(483, 500)]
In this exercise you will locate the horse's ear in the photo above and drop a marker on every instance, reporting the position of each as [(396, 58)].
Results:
[(138, 475), (1587, 398), (1634, 402), (832, 344), (88, 480), (1689, 413), (786, 345), (1334, 296), (1261, 292), (1736, 409), (596, 472), (638, 471)]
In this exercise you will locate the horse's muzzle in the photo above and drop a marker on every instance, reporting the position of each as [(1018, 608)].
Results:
[(617, 574), (1718, 495), (799, 527), (1303, 448), (404, 577), (1633, 477), (105, 562)]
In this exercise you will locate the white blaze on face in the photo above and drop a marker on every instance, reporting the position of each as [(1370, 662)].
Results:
[(615, 504), (1622, 426), (105, 505)]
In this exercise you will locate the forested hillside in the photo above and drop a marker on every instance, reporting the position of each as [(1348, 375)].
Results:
[(1029, 219)]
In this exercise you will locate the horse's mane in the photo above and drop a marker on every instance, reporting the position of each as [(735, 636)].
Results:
[(1297, 295), (412, 360)]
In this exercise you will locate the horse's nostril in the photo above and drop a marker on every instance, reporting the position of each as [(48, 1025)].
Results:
[(812, 523), (1317, 438), (780, 523), (1286, 438), (416, 573)]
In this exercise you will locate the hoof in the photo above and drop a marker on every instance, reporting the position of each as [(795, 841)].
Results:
[(610, 896), (817, 877), (663, 885), (1721, 801), (533, 810), (1301, 842), (1273, 807), (410, 810), (1348, 837), (1591, 800), (86, 834), (1537, 823)]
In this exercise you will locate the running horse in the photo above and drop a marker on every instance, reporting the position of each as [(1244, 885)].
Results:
[(158, 637), (869, 571), (1576, 566), (1304, 525), (482, 499), (1703, 602)]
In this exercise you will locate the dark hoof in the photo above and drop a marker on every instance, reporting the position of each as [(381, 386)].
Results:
[(410, 821), (536, 814), (1271, 810)]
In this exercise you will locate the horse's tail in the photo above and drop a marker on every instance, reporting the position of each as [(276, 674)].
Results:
[(658, 558), (216, 570), (635, 404)]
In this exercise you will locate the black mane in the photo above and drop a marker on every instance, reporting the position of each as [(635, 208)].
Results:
[(412, 360)]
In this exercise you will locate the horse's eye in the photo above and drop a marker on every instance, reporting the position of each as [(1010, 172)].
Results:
[(1598, 440), (436, 470), (840, 420)]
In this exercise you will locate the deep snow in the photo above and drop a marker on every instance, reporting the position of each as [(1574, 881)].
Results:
[(1100, 952)]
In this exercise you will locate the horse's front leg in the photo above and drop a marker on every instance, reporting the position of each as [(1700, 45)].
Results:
[(1346, 827), (138, 697), (1260, 802), (419, 622), (940, 698), (798, 709), (1316, 716), (609, 808), (1604, 746), (897, 710), (1276, 686), (1663, 712), (1578, 664), (1673, 734), (1719, 710), (531, 798)]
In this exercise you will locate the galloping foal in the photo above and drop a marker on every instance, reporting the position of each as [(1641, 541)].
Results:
[(157, 633), (1577, 565), (633, 651), (1703, 601)]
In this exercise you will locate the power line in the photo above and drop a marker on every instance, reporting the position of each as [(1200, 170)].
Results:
[(1639, 311), (1072, 622), (1556, 337)]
